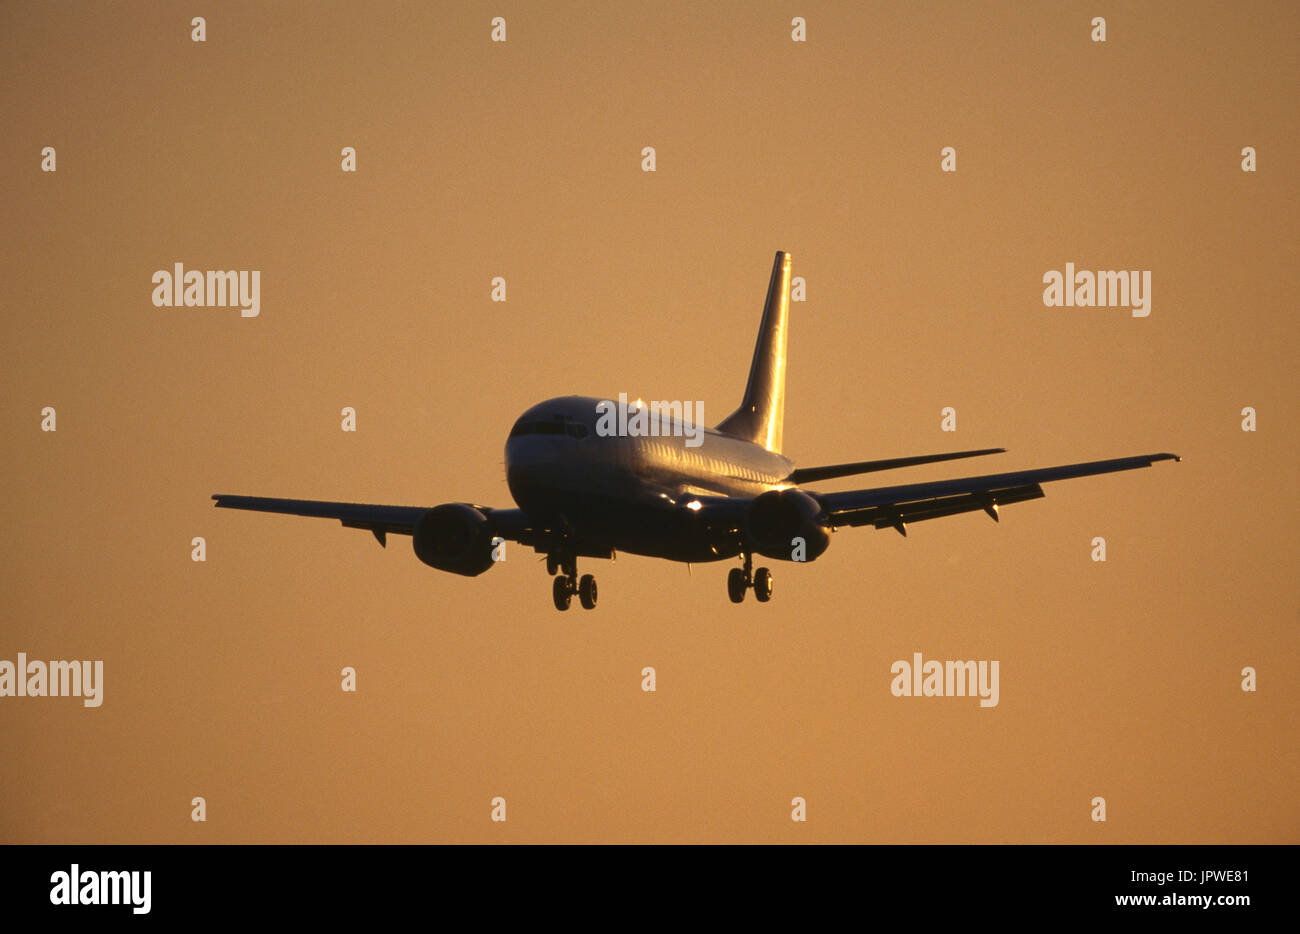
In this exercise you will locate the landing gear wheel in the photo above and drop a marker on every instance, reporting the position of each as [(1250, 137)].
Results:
[(587, 592), (561, 592), (736, 585), (763, 585)]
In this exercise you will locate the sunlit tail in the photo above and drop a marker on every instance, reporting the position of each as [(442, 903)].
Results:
[(762, 412)]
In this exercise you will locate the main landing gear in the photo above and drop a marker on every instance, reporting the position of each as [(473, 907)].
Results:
[(567, 584), (741, 579)]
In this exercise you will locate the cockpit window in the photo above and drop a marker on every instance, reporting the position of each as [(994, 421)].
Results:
[(556, 427)]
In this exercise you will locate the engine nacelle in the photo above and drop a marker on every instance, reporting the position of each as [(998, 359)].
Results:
[(454, 537), (777, 517)]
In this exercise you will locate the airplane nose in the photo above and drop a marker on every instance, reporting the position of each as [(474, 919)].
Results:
[(514, 453), (525, 452)]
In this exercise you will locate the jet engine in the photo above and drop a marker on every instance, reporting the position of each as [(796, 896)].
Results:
[(777, 517), (454, 537)]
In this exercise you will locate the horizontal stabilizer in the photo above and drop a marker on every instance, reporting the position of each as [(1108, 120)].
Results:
[(813, 474)]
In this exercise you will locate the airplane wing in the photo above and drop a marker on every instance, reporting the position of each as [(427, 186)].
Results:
[(895, 506), (511, 524)]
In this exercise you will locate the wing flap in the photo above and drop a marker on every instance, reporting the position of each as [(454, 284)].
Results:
[(898, 516)]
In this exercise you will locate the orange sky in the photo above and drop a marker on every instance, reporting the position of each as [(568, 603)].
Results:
[(522, 160)]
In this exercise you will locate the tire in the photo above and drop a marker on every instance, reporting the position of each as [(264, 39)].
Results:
[(560, 592), (763, 585), (736, 585), (587, 592)]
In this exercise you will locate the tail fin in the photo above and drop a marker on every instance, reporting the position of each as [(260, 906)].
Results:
[(762, 412)]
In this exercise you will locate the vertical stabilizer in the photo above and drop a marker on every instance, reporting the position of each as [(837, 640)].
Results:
[(762, 411)]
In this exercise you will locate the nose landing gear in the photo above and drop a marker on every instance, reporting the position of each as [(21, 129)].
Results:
[(741, 579)]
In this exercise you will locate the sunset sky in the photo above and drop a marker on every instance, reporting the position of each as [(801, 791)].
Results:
[(523, 159)]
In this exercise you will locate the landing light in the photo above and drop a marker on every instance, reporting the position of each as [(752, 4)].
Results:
[(694, 505)]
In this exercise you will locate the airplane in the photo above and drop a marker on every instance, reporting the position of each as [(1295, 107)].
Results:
[(582, 491)]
